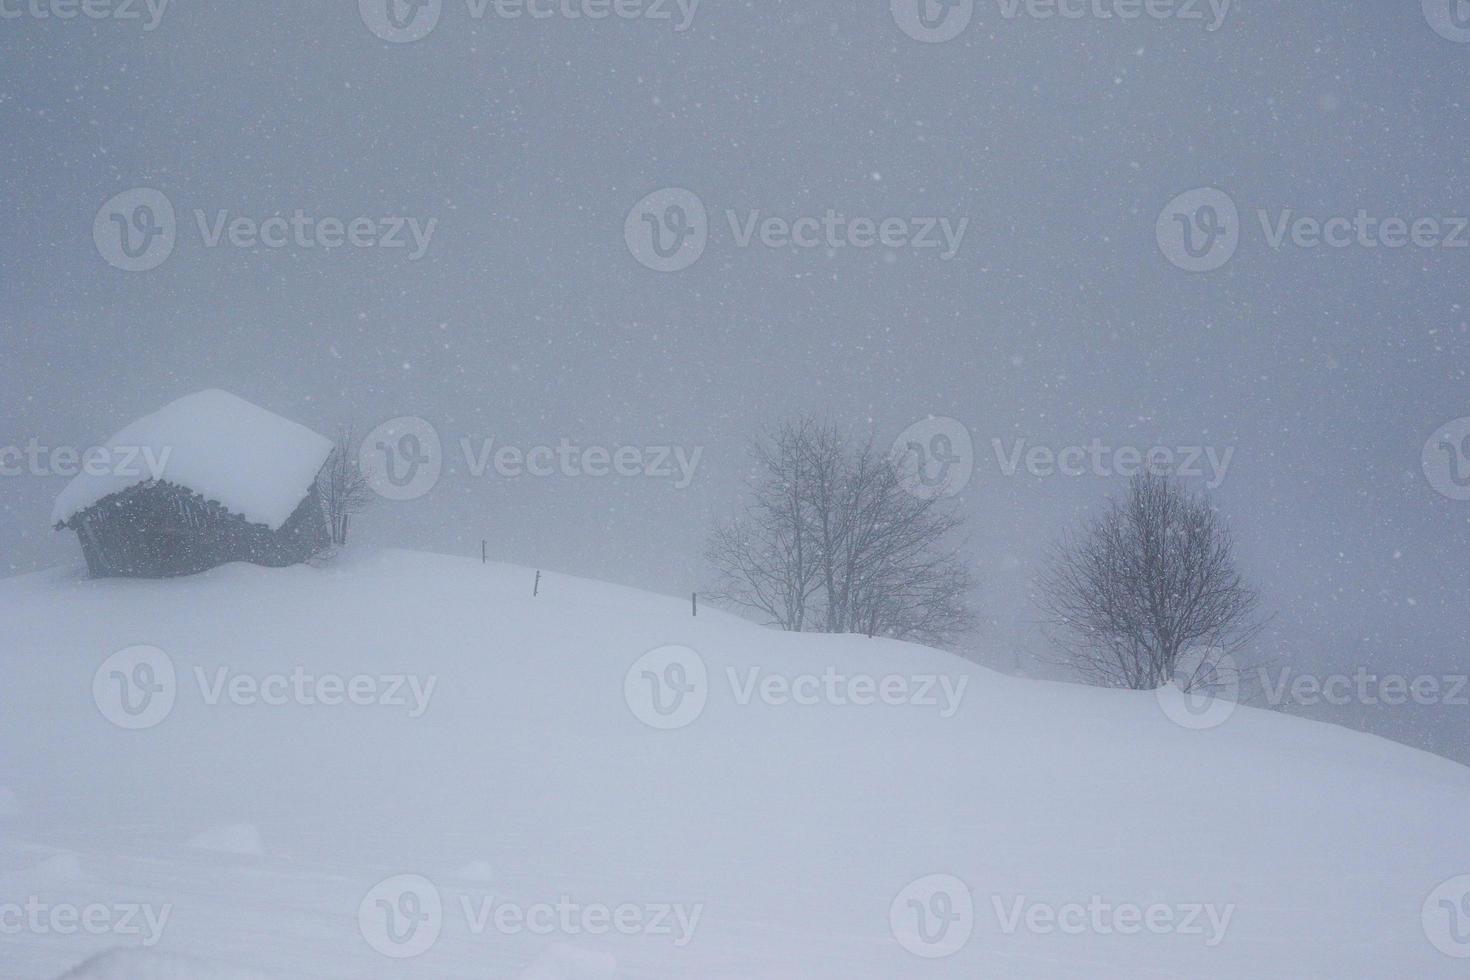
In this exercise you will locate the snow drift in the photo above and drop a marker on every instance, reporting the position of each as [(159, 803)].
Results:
[(657, 795)]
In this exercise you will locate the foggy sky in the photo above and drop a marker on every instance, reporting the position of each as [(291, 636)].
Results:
[(527, 320)]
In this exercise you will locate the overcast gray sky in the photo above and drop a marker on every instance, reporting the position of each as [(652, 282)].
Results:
[(1059, 320)]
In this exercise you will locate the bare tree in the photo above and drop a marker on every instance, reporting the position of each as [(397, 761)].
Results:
[(343, 489), (1147, 588), (765, 560), (834, 543)]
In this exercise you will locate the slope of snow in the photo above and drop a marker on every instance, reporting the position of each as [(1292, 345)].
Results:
[(796, 840), (222, 447), (133, 964)]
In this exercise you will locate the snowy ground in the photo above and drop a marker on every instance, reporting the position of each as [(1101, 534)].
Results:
[(525, 817)]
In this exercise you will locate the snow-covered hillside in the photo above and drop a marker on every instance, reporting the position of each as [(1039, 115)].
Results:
[(541, 787)]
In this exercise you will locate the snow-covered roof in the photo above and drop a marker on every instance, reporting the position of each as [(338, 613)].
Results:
[(223, 448)]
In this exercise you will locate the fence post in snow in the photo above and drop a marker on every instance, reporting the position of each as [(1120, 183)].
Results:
[(694, 602), (536, 589)]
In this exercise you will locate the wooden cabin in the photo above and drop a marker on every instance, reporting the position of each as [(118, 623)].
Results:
[(211, 479)]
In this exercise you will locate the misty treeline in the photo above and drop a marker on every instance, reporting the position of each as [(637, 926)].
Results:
[(1148, 593), (832, 542)]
